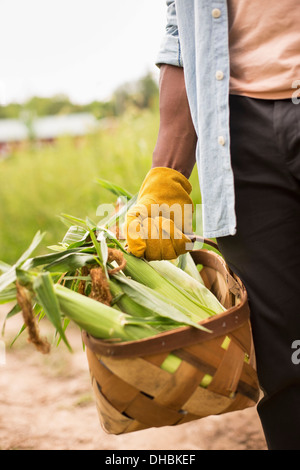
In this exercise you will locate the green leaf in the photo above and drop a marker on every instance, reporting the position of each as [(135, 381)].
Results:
[(114, 188), (103, 246), (104, 251), (110, 236), (120, 213), (57, 248), (90, 224), (72, 218), (4, 267), (8, 295), (38, 311), (43, 287), (76, 236), (65, 325), (154, 301), (25, 278), (96, 243), (48, 259), (34, 244), (10, 275), (70, 262)]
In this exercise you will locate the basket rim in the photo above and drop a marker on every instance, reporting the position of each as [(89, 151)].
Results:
[(219, 325), (223, 324)]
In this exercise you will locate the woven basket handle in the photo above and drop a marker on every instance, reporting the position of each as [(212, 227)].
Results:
[(197, 238)]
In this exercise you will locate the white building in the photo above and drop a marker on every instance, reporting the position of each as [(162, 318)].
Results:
[(49, 128)]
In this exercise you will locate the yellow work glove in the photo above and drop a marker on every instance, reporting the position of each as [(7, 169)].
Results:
[(154, 227)]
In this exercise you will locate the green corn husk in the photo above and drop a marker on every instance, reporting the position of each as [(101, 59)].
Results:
[(44, 290), (107, 323), (133, 305), (191, 285), (126, 303), (142, 271), (99, 319), (160, 305), (186, 263)]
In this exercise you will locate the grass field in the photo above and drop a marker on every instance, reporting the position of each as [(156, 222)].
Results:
[(38, 184)]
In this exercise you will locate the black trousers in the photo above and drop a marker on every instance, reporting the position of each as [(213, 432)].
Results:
[(265, 252)]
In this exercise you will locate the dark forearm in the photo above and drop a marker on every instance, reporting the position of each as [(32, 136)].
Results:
[(176, 143)]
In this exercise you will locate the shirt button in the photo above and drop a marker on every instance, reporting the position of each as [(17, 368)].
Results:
[(219, 75), (221, 140), (216, 13)]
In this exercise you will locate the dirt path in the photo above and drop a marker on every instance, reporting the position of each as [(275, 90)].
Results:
[(46, 403)]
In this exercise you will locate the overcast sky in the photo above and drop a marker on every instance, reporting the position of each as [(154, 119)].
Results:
[(83, 48)]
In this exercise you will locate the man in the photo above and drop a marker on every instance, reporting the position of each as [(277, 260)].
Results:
[(228, 82)]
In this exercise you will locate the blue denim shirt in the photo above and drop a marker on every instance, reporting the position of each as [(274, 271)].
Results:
[(197, 39)]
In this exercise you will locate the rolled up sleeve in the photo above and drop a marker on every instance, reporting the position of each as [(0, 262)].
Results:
[(170, 51)]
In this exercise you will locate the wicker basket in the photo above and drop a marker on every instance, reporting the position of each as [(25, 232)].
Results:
[(132, 392)]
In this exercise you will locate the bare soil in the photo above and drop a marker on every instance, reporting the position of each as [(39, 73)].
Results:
[(46, 403)]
